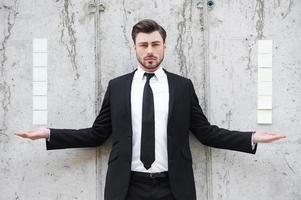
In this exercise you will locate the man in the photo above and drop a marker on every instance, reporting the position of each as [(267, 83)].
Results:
[(149, 114)]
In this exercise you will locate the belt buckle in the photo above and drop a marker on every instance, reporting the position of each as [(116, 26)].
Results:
[(151, 175)]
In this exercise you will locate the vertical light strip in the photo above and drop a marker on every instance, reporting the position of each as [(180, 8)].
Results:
[(39, 81), (264, 92)]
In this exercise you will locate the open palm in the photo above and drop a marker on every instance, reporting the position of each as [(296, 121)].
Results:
[(34, 134), (266, 137)]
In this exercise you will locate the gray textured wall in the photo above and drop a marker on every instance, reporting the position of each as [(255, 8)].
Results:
[(88, 45)]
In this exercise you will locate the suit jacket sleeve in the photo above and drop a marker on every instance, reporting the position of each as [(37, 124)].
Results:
[(214, 136), (87, 137)]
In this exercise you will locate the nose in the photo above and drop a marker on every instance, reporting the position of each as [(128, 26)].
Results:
[(149, 49)]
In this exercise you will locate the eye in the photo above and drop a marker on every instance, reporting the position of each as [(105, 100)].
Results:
[(156, 44)]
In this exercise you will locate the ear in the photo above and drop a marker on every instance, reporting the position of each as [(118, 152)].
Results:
[(134, 46), (164, 45)]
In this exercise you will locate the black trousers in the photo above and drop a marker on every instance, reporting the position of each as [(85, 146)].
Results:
[(149, 188)]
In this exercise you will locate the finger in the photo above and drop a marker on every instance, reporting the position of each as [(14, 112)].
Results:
[(269, 133), (275, 138), (19, 133), (22, 134), (279, 136), (276, 135)]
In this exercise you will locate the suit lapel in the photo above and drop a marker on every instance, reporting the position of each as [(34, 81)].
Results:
[(128, 87), (172, 91)]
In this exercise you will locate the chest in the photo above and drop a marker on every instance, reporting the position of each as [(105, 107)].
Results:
[(160, 91)]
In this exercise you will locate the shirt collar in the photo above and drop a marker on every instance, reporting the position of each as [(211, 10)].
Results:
[(159, 73)]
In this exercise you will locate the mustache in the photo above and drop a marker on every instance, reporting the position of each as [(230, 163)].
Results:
[(150, 56)]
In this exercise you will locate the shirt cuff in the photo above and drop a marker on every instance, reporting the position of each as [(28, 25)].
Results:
[(252, 143), (48, 138)]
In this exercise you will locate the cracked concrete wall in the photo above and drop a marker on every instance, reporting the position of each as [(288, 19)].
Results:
[(235, 28), (27, 171), (216, 48)]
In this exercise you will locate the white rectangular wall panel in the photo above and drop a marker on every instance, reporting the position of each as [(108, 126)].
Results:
[(265, 46), (265, 88), (39, 74), (264, 75), (39, 81), (265, 85), (39, 88), (264, 60), (39, 59), (264, 102), (39, 103), (264, 116)]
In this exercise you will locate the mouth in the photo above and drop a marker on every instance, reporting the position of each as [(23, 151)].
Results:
[(150, 58)]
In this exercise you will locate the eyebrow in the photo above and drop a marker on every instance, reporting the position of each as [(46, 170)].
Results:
[(151, 42)]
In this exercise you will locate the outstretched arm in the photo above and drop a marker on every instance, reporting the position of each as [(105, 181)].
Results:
[(75, 138), (214, 136)]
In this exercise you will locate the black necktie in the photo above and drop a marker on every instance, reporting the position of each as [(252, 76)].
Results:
[(147, 153)]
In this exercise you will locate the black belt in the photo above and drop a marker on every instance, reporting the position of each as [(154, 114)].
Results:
[(158, 175)]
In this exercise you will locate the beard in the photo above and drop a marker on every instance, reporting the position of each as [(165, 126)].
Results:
[(150, 64)]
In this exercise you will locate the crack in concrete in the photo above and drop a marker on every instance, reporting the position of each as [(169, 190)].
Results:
[(290, 5), (16, 196), (67, 25), (10, 24), (182, 28), (155, 4), (4, 86), (228, 119), (98, 81), (124, 31), (288, 165), (277, 4), (6, 101), (200, 7), (250, 46), (249, 59), (259, 9)]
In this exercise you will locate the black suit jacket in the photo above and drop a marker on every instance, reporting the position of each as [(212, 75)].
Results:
[(185, 115)]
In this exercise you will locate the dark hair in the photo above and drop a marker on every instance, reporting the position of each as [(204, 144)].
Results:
[(147, 26)]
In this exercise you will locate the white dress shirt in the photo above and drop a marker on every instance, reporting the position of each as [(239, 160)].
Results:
[(159, 85)]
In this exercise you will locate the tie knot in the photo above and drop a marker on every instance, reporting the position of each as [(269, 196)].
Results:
[(148, 76)]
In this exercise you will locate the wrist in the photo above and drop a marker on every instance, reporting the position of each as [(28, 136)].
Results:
[(44, 132), (253, 138), (47, 133)]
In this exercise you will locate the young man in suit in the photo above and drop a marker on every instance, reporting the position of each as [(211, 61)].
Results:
[(149, 114)]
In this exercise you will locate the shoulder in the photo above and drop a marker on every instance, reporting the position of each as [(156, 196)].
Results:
[(122, 79), (178, 78)]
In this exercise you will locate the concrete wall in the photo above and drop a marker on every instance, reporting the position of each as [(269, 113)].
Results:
[(89, 43), (234, 30)]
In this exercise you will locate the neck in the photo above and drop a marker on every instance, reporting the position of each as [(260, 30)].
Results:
[(152, 70)]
